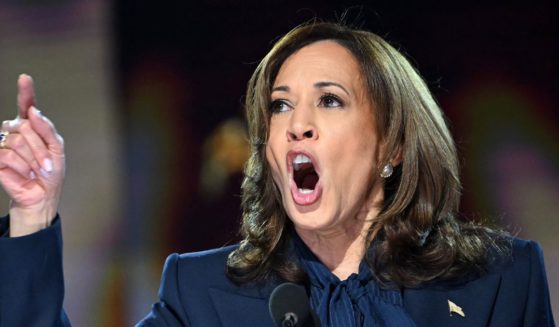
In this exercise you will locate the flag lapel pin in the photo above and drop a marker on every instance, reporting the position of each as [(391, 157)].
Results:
[(454, 308)]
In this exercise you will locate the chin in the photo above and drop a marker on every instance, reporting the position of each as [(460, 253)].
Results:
[(308, 217)]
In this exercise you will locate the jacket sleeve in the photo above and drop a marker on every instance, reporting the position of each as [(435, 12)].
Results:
[(538, 306), (31, 278), (168, 312)]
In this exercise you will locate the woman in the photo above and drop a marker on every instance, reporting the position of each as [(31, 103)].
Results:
[(352, 191)]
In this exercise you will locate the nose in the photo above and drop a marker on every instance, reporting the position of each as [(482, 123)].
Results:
[(298, 136), (301, 126)]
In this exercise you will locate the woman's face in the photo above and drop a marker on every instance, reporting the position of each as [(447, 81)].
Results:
[(322, 147)]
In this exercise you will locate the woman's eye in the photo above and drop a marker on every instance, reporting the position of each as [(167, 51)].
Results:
[(330, 101), (279, 106)]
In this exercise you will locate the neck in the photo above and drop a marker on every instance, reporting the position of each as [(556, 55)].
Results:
[(341, 250)]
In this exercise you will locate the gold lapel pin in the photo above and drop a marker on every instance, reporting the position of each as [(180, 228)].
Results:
[(454, 308)]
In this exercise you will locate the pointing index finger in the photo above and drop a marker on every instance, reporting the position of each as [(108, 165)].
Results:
[(25, 95)]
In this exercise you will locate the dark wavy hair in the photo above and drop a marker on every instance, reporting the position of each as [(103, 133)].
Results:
[(417, 237)]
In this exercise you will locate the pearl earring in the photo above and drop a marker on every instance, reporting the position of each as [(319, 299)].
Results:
[(387, 171)]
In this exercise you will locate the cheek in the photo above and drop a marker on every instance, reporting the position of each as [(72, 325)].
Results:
[(366, 142), (273, 161), (356, 155), (353, 143)]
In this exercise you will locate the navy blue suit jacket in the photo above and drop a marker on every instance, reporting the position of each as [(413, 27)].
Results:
[(195, 291)]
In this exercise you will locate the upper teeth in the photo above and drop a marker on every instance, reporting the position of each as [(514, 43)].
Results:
[(299, 160)]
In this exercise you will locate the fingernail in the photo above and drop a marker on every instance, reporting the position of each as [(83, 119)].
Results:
[(14, 123), (36, 111), (47, 166), (32, 175), (44, 173)]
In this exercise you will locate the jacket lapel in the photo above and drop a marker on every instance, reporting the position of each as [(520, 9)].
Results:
[(237, 309), (471, 303)]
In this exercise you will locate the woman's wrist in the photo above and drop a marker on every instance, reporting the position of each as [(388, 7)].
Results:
[(29, 220)]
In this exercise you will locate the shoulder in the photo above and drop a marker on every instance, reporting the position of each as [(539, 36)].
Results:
[(523, 289), (513, 268), (512, 290), (519, 257), (206, 259), (187, 281), (195, 275), (199, 268), (196, 288), (522, 271), (524, 249)]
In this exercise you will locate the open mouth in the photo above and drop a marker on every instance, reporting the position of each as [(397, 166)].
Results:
[(304, 175), (305, 186)]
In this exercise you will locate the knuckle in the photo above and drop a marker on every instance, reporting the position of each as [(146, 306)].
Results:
[(11, 156), (25, 126), (16, 142)]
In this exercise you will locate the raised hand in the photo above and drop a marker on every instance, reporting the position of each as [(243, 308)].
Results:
[(32, 164)]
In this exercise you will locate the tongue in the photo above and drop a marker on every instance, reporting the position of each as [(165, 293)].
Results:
[(309, 181)]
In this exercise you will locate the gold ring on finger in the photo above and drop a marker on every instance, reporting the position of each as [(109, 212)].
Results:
[(4, 139)]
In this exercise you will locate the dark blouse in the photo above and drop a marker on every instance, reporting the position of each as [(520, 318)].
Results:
[(356, 301)]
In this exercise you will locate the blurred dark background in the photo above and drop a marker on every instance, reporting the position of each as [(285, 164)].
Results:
[(174, 76)]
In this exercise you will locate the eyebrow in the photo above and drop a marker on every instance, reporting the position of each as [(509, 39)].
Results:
[(283, 88), (318, 85)]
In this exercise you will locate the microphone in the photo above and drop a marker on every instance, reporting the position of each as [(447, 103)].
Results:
[(289, 307)]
